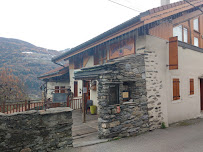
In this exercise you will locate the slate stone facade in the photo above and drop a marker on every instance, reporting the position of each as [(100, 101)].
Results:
[(130, 116), (36, 130)]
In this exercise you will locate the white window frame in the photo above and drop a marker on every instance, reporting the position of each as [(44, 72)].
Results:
[(185, 35), (196, 43), (178, 31), (196, 24)]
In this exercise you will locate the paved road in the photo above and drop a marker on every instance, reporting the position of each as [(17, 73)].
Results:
[(180, 138)]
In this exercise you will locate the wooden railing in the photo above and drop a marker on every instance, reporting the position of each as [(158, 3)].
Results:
[(21, 106), (76, 104)]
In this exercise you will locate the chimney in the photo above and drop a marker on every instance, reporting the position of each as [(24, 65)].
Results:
[(165, 2)]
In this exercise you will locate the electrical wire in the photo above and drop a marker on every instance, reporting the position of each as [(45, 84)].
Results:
[(193, 5), (125, 6)]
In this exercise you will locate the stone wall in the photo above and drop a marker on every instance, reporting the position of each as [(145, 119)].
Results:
[(36, 130), (155, 70), (128, 117), (153, 86)]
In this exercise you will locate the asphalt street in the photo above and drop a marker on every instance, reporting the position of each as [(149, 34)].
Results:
[(182, 137)]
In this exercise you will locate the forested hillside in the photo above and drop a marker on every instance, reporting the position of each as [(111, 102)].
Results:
[(27, 61)]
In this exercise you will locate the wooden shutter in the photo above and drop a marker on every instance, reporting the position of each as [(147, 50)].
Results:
[(173, 53), (191, 86), (62, 89), (56, 89), (176, 89), (75, 88)]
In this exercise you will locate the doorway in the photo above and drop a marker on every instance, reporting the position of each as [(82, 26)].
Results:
[(87, 93), (85, 125), (201, 94)]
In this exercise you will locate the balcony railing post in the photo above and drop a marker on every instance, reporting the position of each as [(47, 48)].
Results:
[(29, 105), (25, 105), (4, 107)]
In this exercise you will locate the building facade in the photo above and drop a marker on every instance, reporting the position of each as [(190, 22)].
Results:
[(144, 72)]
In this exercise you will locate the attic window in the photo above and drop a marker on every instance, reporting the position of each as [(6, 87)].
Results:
[(196, 24), (196, 41), (177, 31)]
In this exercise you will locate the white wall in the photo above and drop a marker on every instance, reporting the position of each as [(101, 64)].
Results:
[(93, 94), (190, 66), (51, 87)]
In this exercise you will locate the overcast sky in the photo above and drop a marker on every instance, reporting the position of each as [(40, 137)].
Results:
[(61, 24)]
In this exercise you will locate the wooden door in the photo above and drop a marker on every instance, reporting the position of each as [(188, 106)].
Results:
[(201, 93), (75, 88)]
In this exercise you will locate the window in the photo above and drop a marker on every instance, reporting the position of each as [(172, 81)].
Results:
[(62, 89), (191, 86), (185, 35), (56, 89), (177, 31), (196, 41), (181, 32), (114, 94), (75, 88), (196, 24), (176, 91)]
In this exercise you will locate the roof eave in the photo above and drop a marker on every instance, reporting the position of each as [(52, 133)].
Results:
[(101, 36)]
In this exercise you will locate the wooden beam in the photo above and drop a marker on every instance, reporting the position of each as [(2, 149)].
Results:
[(83, 103)]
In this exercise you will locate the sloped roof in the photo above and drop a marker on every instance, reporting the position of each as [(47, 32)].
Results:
[(55, 72), (143, 18)]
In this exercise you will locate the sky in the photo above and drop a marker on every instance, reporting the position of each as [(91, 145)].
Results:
[(61, 24)]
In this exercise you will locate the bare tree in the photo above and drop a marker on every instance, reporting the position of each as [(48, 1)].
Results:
[(11, 87)]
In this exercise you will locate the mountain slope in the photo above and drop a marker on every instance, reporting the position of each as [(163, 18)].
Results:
[(27, 61)]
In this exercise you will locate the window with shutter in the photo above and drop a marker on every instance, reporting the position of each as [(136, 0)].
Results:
[(173, 53), (62, 90), (191, 86), (176, 89), (56, 89)]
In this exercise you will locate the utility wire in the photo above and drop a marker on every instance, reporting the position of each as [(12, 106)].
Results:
[(193, 5), (125, 6)]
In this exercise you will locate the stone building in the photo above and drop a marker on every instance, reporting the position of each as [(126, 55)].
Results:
[(144, 72)]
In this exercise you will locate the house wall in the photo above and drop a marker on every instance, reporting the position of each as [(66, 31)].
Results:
[(190, 66), (51, 87), (93, 94), (159, 79), (155, 78)]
